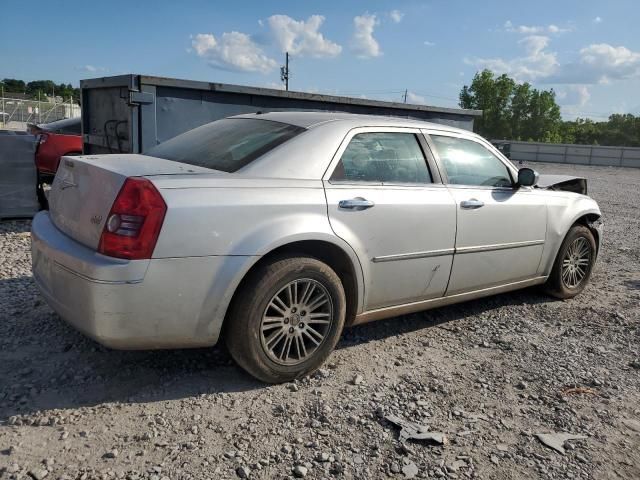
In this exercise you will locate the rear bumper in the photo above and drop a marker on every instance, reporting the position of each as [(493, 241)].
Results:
[(140, 304)]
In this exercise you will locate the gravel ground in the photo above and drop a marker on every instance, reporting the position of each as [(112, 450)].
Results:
[(488, 374)]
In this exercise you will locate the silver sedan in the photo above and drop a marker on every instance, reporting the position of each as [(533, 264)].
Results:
[(275, 231)]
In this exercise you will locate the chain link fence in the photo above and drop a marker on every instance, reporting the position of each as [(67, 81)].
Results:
[(16, 113)]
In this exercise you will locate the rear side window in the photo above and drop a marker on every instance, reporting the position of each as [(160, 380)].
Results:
[(383, 158), (226, 145), (469, 163)]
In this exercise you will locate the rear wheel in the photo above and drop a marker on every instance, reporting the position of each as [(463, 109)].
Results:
[(286, 319), (43, 185), (574, 263)]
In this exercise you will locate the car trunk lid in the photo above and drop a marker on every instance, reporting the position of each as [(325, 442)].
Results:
[(85, 188)]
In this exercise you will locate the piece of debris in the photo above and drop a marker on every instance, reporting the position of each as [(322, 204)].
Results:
[(415, 431), (557, 440), (38, 474), (358, 379), (243, 472), (579, 390), (299, 471), (410, 470), (111, 454), (632, 424)]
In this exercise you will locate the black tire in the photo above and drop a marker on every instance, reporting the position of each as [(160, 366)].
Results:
[(555, 284), (42, 198), (243, 325)]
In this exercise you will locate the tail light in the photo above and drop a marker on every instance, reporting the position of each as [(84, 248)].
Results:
[(42, 138), (134, 222)]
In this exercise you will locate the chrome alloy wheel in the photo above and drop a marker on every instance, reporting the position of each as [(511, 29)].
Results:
[(296, 321), (575, 263)]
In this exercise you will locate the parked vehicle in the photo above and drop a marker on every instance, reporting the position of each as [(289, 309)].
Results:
[(54, 140), (277, 230)]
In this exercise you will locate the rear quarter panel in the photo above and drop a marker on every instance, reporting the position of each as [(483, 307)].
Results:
[(241, 220), (56, 146), (238, 217)]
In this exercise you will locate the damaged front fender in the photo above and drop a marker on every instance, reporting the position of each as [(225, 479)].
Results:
[(564, 183)]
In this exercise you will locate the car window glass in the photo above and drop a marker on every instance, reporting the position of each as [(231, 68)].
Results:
[(228, 144), (469, 163), (383, 158), (67, 126)]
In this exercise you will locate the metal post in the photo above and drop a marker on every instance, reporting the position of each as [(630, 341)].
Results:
[(3, 112), (405, 95), (284, 72)]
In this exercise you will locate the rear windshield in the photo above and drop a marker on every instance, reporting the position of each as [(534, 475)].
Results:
[(226, 145), (68, 126)]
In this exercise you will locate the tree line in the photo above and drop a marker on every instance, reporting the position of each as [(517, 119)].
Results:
[(517, 111), (40, 88)]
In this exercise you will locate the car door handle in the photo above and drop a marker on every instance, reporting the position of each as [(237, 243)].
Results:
[(358, 203), (471, 204)]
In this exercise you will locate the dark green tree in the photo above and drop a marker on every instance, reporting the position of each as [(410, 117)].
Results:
[(492, 95), (13, 85), (511, 110)]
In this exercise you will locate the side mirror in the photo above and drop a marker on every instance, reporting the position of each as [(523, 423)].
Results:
[(527, 177)]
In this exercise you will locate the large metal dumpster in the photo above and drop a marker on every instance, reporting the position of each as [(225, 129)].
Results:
[(132, 113)]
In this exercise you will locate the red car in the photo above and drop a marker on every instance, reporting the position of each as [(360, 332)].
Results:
[(55, 140)]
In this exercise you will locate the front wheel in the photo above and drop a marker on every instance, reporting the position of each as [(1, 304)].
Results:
[(573, 265), (286, 319)]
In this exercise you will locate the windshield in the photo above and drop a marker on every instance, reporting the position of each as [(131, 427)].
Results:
[(226, 145)]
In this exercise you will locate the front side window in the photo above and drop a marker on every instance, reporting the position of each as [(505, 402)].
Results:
[(226, 145), (383, 158), (469, 163)]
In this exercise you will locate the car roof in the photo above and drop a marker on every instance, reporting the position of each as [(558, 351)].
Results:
[(312, 119)]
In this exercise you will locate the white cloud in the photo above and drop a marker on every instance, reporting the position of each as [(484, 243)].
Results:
[(596, 63), (91, 69), (234, 51), (534, 29), (573, 99), (429, 44), (274, 85), (396, 16), (300, 37), (363, 43), (415, 99), (537, 63), (574, 95), (597, 20), (606, 62)]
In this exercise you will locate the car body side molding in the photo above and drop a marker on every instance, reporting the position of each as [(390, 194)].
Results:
[(414, 307)]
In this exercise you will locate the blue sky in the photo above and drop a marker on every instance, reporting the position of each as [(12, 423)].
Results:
[(587, 50)]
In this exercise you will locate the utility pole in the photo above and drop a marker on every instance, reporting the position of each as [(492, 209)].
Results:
[(405, 95), (284, 72)]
